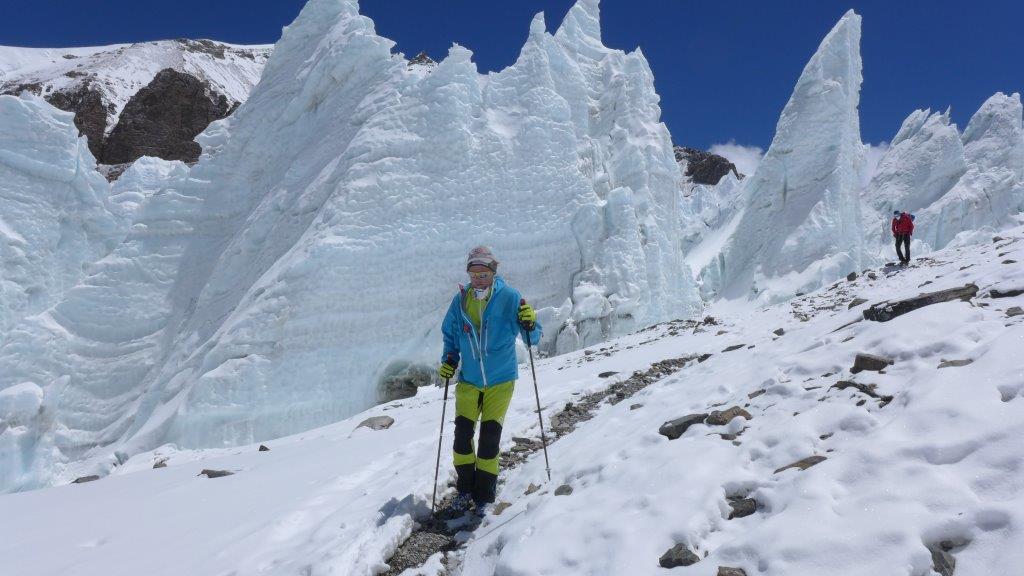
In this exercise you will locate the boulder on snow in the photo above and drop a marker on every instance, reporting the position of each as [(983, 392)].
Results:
[(734, 347), (563, 490), (885, 311), (209, 473), (727, 571), (855, 302), (741, 507), (723, 417), (704, 167), (996, 293), (1014, 311), (377, 422), (804, 463), (778, 331), (943, 561), (870, 362), (954, 363), (264, 448), (851, 276), (703, 357), (678, 555), (606, 374), (675, 428), (161, 463), (531, 489), (84, 479)]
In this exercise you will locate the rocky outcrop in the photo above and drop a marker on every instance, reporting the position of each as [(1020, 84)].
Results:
[(704, 167), (163, 118), (90, 113)]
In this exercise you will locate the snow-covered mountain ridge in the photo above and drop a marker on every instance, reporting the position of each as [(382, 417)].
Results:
[(915, 467), (192, 81)]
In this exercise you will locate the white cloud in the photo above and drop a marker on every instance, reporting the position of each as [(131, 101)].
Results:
[(746, 158), (872, 154)]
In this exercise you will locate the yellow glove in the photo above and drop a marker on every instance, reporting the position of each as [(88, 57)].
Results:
[(527, 316), (446, 371)]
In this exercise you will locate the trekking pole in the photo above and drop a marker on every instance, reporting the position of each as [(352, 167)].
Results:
[(536, 393), (440, 440)]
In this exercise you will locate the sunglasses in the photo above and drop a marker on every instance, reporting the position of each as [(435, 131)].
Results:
[(481, 275)]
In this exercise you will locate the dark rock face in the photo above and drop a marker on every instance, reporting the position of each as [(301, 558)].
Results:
[(90, 113), (422, 59), (163, 118), (704, 167)]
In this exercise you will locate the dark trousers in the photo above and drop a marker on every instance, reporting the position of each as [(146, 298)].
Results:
[(477, 466), (903, 240)]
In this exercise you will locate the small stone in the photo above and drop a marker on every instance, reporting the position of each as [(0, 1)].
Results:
[(851, 276), (727, 571), (606, 374), (855, 302), (500, 507), (800, 293), (942, 561), (872, 276), (635, 406), (678, 555), (1009, 261), (377, 422), (161, 463), (563, 490), (996, 239), (84, 479), (675, 428), (1006, 293), (756, 393), (870, 362), (1015, 311), (954, 363), (826, 436), (803, 464), (703, 357), (720, 332), (215, 473), (778, 331), (734, 347), (723, 417), (742, 507), (531, 489), (264, 448)]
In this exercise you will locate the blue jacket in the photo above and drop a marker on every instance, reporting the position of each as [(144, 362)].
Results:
[(488, 357)]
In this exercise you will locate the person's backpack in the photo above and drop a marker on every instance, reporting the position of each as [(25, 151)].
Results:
[(906, 224)]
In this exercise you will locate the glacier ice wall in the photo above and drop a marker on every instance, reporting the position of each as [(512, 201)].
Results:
[(55, 216), (800, 225), (316, 244)]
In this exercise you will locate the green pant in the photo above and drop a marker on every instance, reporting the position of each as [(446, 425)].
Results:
[(478, 470)]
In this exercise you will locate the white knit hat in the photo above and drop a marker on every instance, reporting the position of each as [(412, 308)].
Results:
[(482, 256)]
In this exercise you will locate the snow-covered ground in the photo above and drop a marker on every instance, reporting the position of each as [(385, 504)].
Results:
[(940, 462)]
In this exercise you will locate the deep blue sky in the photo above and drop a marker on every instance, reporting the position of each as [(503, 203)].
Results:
[(724, 69)]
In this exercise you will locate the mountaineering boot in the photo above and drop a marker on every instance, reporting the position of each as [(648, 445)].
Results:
[(482, 508)]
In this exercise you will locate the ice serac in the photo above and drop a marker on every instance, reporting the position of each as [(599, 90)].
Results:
[(310, 254), (991, 192), (800, 224), (55, 215)]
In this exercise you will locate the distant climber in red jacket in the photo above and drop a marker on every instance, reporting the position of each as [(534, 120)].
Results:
[(902, 229)]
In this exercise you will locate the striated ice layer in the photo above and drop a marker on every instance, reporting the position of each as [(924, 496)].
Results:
[(799, 225), (55, 216), (313, 249)]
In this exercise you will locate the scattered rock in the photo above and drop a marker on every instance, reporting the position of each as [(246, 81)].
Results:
[(741, 507), (851, 276), (531, 489), (678, 555), (872, 276), (675, 428), (803, 464), (84, 479), (734, 347), (954, 363), (563, 490), (500, 507), (997, 239), (869, 362), (161, 463), (422, 59), (756, 393), (704, 167), (215, 473), (826, 436), (1009, 261), (377, 422), (994, 293), (727, 571), (703, 357), (868, 389), (606, 374), (635, 406), (855, 302), (885, 311), (264, 448), (942, 561), (723, 417), (778, 331), (1015, 311)]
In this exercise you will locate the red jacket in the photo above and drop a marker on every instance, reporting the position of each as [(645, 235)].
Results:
[(903, 224)]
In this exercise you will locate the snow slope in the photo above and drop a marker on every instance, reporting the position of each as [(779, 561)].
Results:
[(312, 250), (939, 462), (121, 70), (55, 216), (799, 225)]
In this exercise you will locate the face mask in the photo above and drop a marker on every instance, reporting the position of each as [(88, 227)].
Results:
[(480, 293)]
